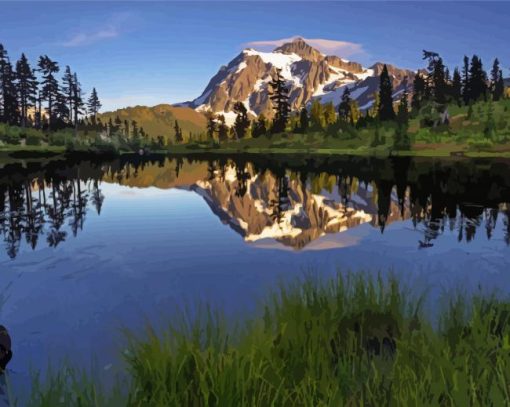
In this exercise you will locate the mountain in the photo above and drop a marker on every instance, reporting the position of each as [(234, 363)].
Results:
[(159, 120), (308, 73)]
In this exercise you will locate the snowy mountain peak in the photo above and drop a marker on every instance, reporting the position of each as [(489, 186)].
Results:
[(308, 73)]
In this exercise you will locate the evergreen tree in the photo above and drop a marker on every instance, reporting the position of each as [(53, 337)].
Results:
[(344, 108), (477, 80), (355, 113), (499, 88), (466, 93), (8, 97), (329, 114), (456, 89), (497, 85), (50, 88), (259, 127), (4, 59), (439, 81), (403, 111), (386, 111), (279, 96), (317, 115), (26, 87), (222, 129), (304, 120), (242, 123), (94, 104), (178, 133), (211, 126), (77, 102), (418, 93), (126, 129), (68, 89)]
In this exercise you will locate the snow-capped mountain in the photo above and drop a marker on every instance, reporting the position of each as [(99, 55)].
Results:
[(308, 73)]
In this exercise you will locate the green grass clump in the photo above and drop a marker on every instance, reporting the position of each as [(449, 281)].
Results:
[(350, 341)]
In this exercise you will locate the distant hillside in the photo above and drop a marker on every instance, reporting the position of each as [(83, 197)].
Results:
[(507, 81), (159, 120)]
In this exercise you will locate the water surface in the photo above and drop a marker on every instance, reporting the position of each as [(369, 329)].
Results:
[(91, 247)]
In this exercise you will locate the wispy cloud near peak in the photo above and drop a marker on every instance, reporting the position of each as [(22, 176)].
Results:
[(329, 47), (111, 29)]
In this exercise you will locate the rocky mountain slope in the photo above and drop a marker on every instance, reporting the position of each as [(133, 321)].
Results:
[(308, 73)]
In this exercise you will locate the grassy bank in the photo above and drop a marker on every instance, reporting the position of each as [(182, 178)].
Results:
[(349, 341)]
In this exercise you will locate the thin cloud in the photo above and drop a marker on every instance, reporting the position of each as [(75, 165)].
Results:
[(329, 47), (112, 29)]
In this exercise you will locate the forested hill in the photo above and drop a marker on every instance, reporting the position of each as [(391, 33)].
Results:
[(160, 120)]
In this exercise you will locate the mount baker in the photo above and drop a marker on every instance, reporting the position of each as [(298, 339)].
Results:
[(308, 73)]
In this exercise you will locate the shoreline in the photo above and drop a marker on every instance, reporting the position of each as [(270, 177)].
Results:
[(49, 153)]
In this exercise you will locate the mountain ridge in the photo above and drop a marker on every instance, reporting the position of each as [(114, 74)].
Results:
[(308, 73)]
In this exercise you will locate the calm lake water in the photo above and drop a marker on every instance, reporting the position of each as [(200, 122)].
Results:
[(91, 247)]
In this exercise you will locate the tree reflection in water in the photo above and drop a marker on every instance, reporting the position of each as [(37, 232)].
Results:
[(294, 200)]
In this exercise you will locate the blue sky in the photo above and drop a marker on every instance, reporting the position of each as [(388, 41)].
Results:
[(165, 52)]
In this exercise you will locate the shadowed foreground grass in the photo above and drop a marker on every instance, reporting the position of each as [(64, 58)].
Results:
[(350, 341)]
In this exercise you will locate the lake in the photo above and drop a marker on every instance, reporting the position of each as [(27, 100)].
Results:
[(92, 247)]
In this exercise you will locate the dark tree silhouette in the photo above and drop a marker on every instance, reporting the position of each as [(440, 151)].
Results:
[(242, 123), (279, 96), (259, 127), (50, 87), (304, 120), (26, 87), (419, 92), (344, 108), (386, 111), (94, 104), (178, 133), (456, 88)]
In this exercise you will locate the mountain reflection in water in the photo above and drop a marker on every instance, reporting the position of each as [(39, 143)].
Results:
[(298, 203)]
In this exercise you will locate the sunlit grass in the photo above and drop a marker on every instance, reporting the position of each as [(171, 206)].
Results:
[(348, 341)]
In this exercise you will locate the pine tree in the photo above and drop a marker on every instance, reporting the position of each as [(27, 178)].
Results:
[(4, 59), (178, 133), (8, 97), (317, 115), (499, 88), (68, 89), (477, 80), (77, 102), (456, 89), (497, 85), (279, 96), (242, 123), (344, 108), (222, 129), (260, 127), (329, 114), (386, 111), (439, 81), (403, 111), (355, 113), (26, 87), (466, 92), (211, 126), (50, 88), (304, 120), (418, 93), (94, 104)]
